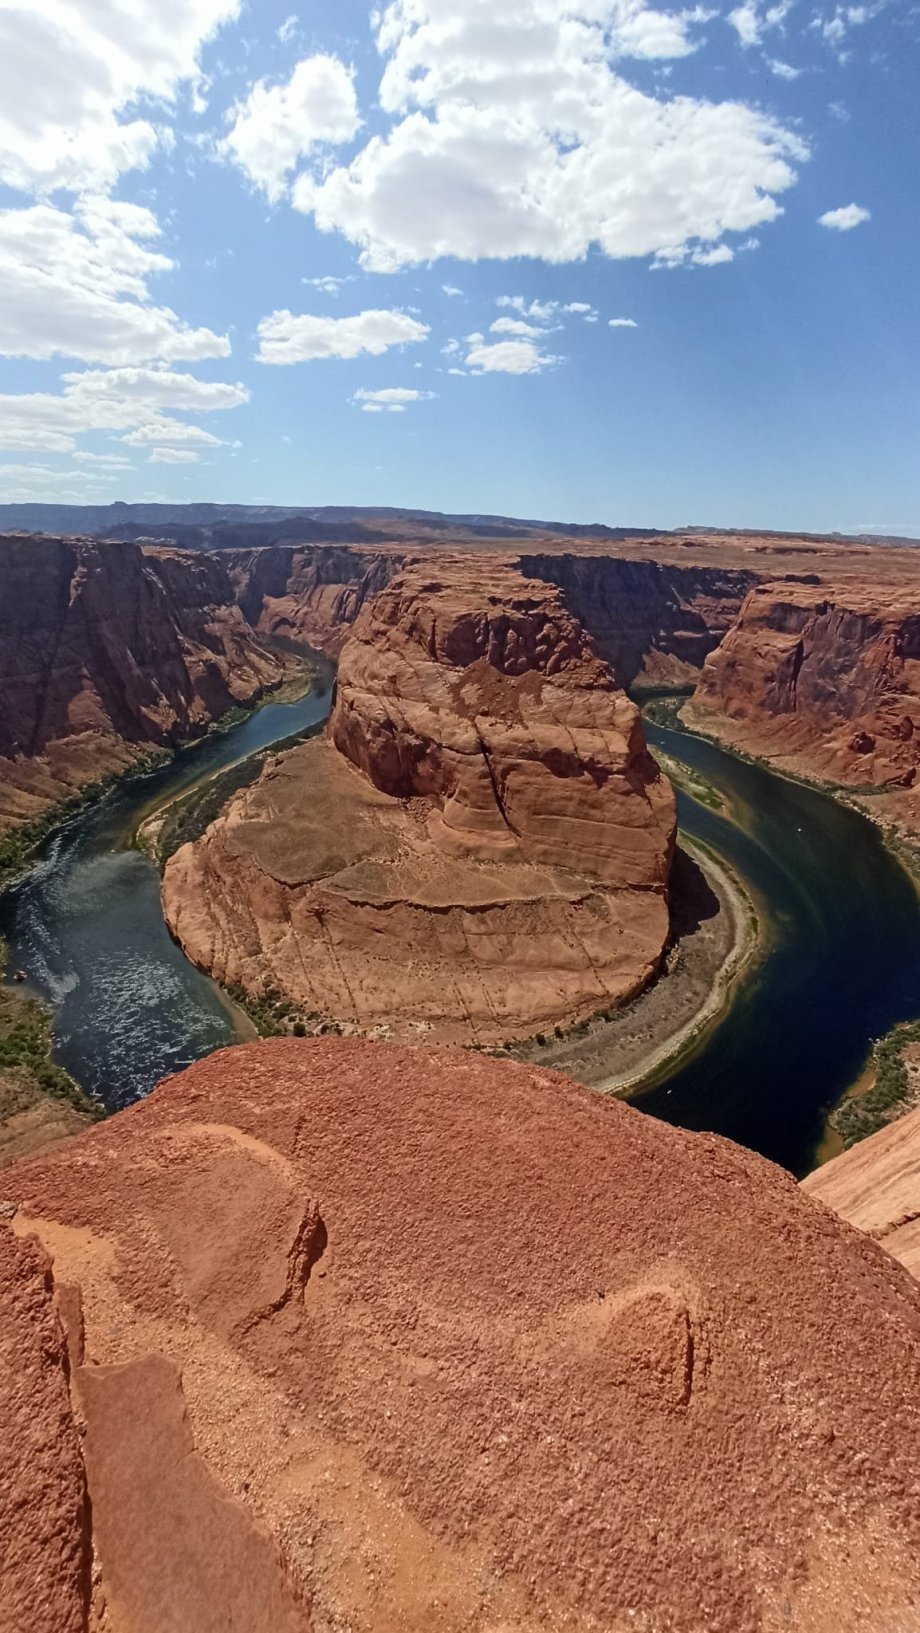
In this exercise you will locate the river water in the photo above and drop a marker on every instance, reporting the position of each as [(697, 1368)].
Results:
[(87, 929), (842, 919)]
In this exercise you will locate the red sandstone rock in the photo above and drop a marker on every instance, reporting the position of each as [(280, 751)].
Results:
[(477, 1350), (823, 679), (309, 593), (44, 1525), (107, 650), (485, 856), (876, 1185)]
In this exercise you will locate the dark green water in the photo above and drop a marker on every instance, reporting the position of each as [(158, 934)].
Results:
[(87, 929), (843, 967)]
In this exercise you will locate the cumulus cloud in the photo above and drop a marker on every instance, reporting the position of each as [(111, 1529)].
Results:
[(107, 400), (508, 357), (173, 456), (622, 323), (109, 462), (451, 289), (389, 399), (751, 21), (846, 218), (279, 125), (328, 285), (289, 337), (514, 134), (76, 285), (167, 430), (71, 71), (515, 326)]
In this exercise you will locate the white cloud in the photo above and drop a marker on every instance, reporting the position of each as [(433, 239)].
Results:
[(622, 323), (288, 337), (70, 68), (515, 326), (540, 311), (450, 349), (451, 289), (745, 20), (390, 399), (327, 285), (279, 125), (109, 462), (844, 219), (783, 70), (289, 28), (173, 456), (578, 306), (76, 286), (167, 430), (512, 135), (509, 357), (107, 400)]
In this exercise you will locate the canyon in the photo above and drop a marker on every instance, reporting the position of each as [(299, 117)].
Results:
[(108, 652), (823, 679), (334, 1334), (478, 850)]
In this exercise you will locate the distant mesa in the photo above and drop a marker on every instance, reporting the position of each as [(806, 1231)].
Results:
[(481, 846)]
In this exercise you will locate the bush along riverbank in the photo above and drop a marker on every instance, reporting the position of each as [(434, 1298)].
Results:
[(895, 1065), (29, 1078)]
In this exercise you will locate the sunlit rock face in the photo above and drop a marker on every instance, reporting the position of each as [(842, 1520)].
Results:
[(337, 1334), (481, 846)]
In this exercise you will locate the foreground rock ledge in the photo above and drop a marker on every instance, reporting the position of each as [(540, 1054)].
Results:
[(351, 1336), (479, 849)]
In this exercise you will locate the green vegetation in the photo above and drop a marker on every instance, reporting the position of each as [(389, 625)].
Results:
[(26, 1067), (275, 1016), (891, 1092)]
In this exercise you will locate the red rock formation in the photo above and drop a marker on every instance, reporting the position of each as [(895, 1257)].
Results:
[(652, 621), (107, 650), (481, 849), (876, 1185), (464, 1347), (309, 593), (823, 679)]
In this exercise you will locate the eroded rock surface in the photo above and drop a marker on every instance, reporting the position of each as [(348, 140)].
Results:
[(412, 1341), (481, 846), (876, 1185), (108, 650), (824, 679)]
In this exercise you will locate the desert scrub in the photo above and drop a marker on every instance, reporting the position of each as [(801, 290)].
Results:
[(891, 1093), (25, 1049)]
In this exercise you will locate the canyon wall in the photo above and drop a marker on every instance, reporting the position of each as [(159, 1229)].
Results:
[(823, 679), (654, 623), (481, 847), (309, 593), (345, 1335), (108, 650)]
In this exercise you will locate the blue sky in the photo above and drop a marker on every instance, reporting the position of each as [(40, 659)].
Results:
[(335, 256)]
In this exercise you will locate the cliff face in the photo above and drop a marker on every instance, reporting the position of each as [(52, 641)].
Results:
[(309, 593), (876, 1186), (108, 649), (823, 679), (376, 1338), (480, 849), (652, 622)]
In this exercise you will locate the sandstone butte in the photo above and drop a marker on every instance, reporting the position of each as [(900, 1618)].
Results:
[(108, 651), (337, 1335), (480, 847), (823, 679)]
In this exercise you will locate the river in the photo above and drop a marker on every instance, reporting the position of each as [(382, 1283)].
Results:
[(841, 918)]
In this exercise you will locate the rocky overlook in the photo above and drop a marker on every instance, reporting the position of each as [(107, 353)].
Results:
[(480, 847), (107, 650), (332, 1334), (824, 679)]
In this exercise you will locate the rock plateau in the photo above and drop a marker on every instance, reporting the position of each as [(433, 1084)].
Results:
[(479, 848), (107, 651), (345, 1336), (823, 679)]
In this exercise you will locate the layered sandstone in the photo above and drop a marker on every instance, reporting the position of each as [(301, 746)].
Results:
[(108, 650), (308, 593), (481, 846), (350, 1336), (876, 1185), (824, 680)]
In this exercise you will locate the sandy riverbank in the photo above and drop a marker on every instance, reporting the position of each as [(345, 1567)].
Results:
[(718, 937)]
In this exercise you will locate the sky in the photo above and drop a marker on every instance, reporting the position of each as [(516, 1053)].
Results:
[(582, 260)]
